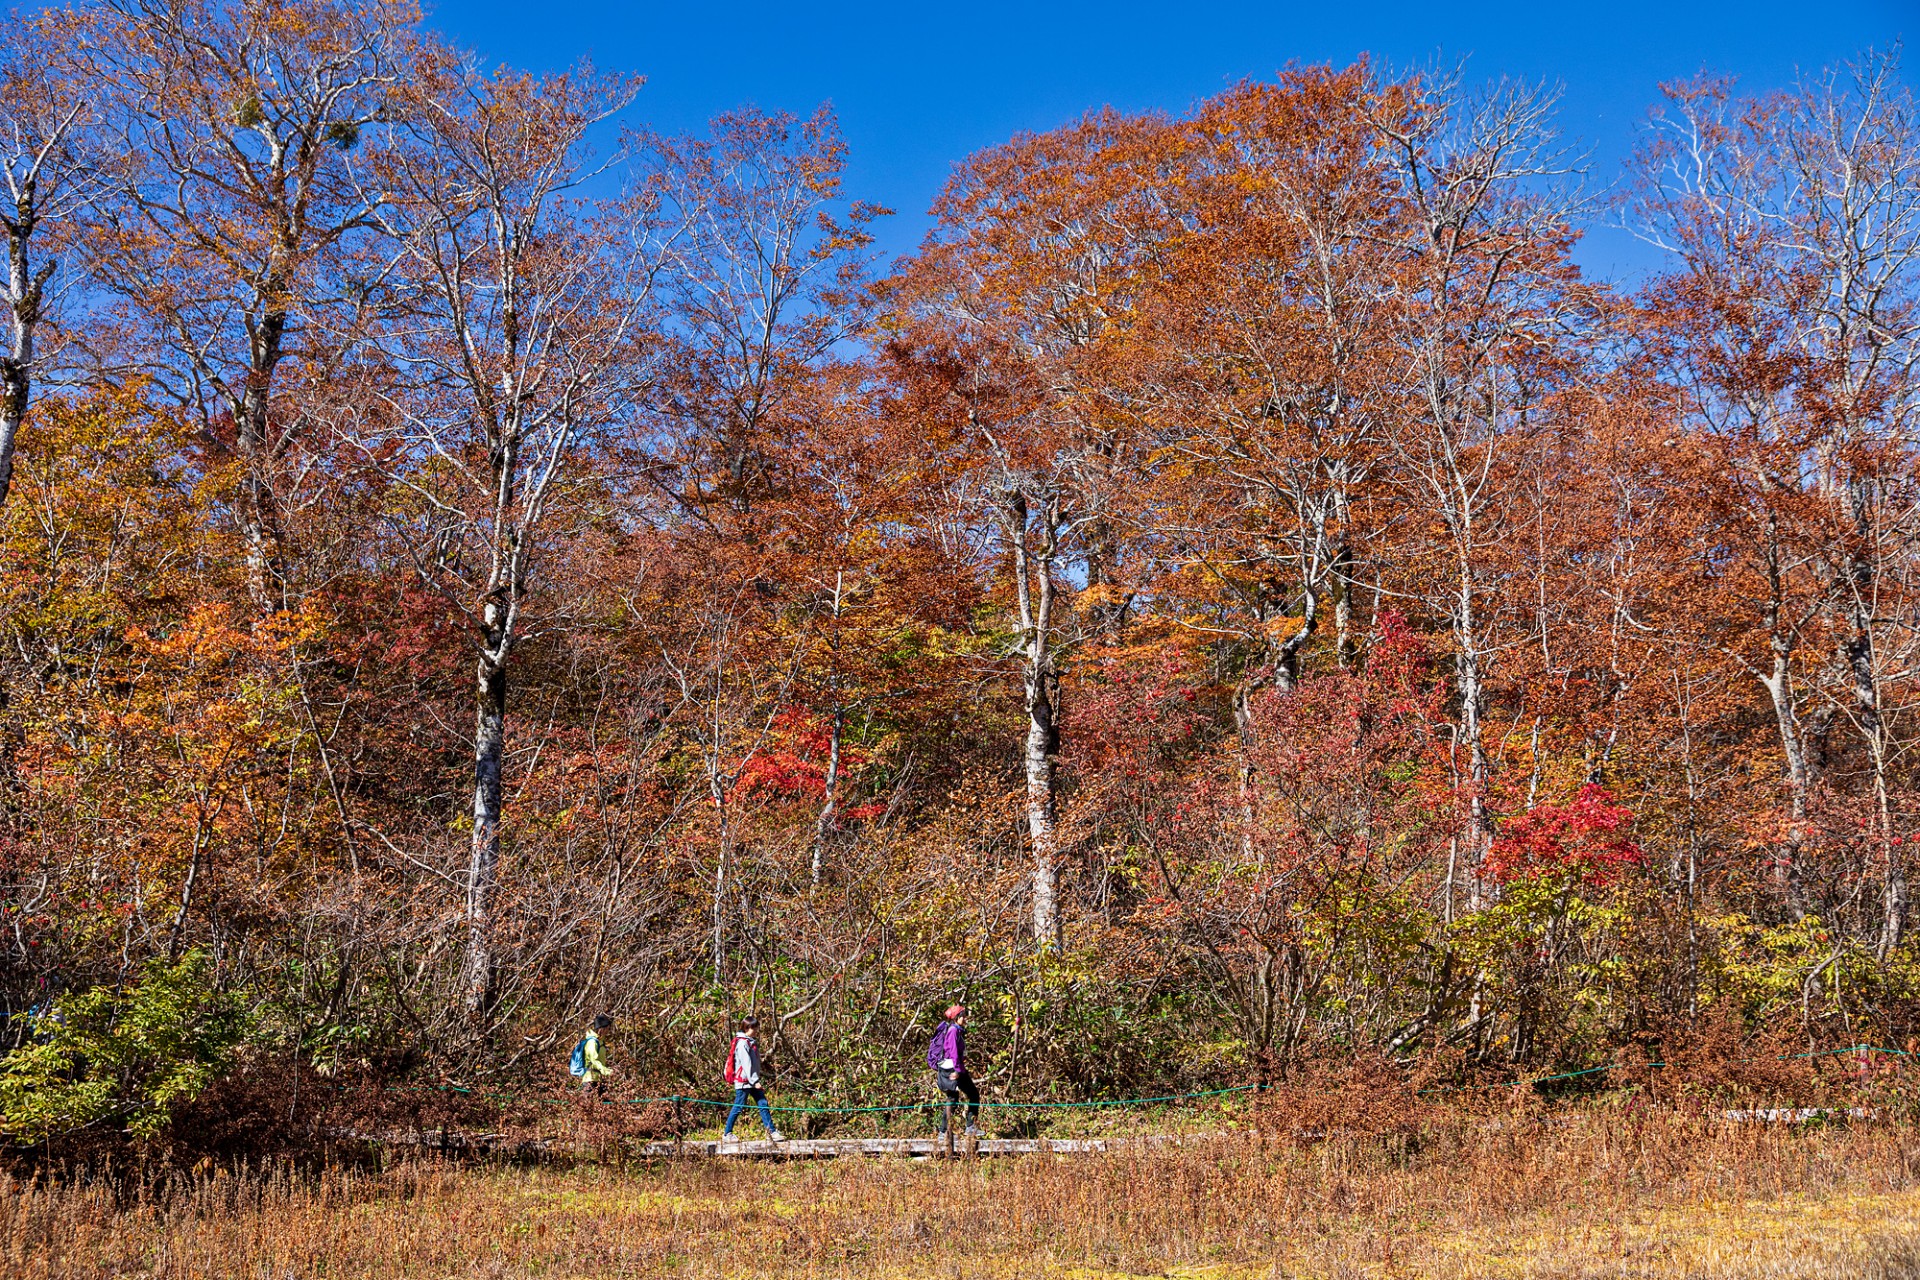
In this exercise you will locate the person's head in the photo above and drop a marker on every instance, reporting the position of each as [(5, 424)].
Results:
[(603, 1022), (956, 1014), (750, 1026)]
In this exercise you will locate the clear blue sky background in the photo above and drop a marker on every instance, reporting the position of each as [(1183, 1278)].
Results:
[(918, 87)]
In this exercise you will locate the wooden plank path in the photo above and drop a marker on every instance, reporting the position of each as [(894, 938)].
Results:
[(913, 1148), (449, 1141), (454, 1142)]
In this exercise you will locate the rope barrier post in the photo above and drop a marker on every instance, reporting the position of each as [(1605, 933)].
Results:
[(946, 1125), (679, 1128)]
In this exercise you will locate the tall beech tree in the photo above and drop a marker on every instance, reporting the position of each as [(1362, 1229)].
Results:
[(514, 333), (237, 205), (54, 165), (1481, 242), (1260, 364), (1014, 309), (1791, 325), (768, 276)]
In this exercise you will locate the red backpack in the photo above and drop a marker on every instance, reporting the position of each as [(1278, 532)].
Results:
[(733, 1053)]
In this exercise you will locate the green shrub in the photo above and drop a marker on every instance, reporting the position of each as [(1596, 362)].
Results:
[(121, 1056)]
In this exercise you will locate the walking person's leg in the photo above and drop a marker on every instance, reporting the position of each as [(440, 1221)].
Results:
[(945, 1081), (739, 1105), (766, 1112), (965, 1083)]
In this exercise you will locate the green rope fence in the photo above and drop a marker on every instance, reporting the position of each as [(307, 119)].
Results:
[(690, 1100), (814, 1109)]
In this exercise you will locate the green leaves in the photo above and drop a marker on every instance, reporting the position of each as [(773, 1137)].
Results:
[(125, 1057)]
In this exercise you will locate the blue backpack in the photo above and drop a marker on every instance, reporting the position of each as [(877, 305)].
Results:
[(577, 1064)]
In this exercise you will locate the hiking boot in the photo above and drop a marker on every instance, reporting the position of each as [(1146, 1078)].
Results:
[(774, 1135), (973, 1131)]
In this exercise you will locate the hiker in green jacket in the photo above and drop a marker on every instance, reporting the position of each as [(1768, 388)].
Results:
[(587, 1062)]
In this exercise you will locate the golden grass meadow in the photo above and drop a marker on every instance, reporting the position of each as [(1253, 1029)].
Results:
[(1586, 1193)]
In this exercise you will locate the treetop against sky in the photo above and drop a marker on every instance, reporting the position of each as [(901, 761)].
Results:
[(919, 87)]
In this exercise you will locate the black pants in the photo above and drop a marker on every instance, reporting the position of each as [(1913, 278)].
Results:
[(954, 1084)]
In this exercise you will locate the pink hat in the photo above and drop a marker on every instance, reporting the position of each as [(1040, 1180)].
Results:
[(955, 1011)]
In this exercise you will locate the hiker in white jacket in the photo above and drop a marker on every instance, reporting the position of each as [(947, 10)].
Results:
[(743, 1073)]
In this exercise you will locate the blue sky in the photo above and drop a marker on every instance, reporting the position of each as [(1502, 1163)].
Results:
[(919, 87)]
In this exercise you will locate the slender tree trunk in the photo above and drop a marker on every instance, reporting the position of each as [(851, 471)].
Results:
[(722, 871), (1778, 682), (489, 747), (1345, 652), (1779, 685), (25, 291), (830, 802), (1477, 839), (1033, 572), (1893, 888), (1039, 760), (1478, 835), (717, 786), (1856, 652), (259, 527), (1857, 655)]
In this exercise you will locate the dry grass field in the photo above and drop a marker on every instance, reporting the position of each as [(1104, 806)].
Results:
[(1587, 1194)]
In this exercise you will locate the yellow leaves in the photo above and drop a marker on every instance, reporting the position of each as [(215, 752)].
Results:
[(104, 520), (1279, 630), (207, 639), (1102, 594), (162, 726), (214, 636)]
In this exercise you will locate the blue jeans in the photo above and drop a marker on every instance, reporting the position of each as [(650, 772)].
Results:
[(740, 1096)]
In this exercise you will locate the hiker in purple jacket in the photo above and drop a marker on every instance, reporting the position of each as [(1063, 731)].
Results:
[(947, 1055)]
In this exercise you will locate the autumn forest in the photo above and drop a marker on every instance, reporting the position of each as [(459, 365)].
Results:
[(1238, 597)]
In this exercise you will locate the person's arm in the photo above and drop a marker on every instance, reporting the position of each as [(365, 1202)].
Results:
[(594, 1062)]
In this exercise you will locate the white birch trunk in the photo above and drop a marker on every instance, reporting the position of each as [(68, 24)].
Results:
[(483, 867), (1033, 572)]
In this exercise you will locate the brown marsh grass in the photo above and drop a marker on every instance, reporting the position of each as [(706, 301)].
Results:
[(1583, 1194)]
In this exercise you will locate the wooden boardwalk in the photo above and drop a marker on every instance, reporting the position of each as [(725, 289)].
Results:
[(454, 1142), (450, 1142), (913, 1148)]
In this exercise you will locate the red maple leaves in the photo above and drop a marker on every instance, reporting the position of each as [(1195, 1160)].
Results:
[(1583, 838)]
